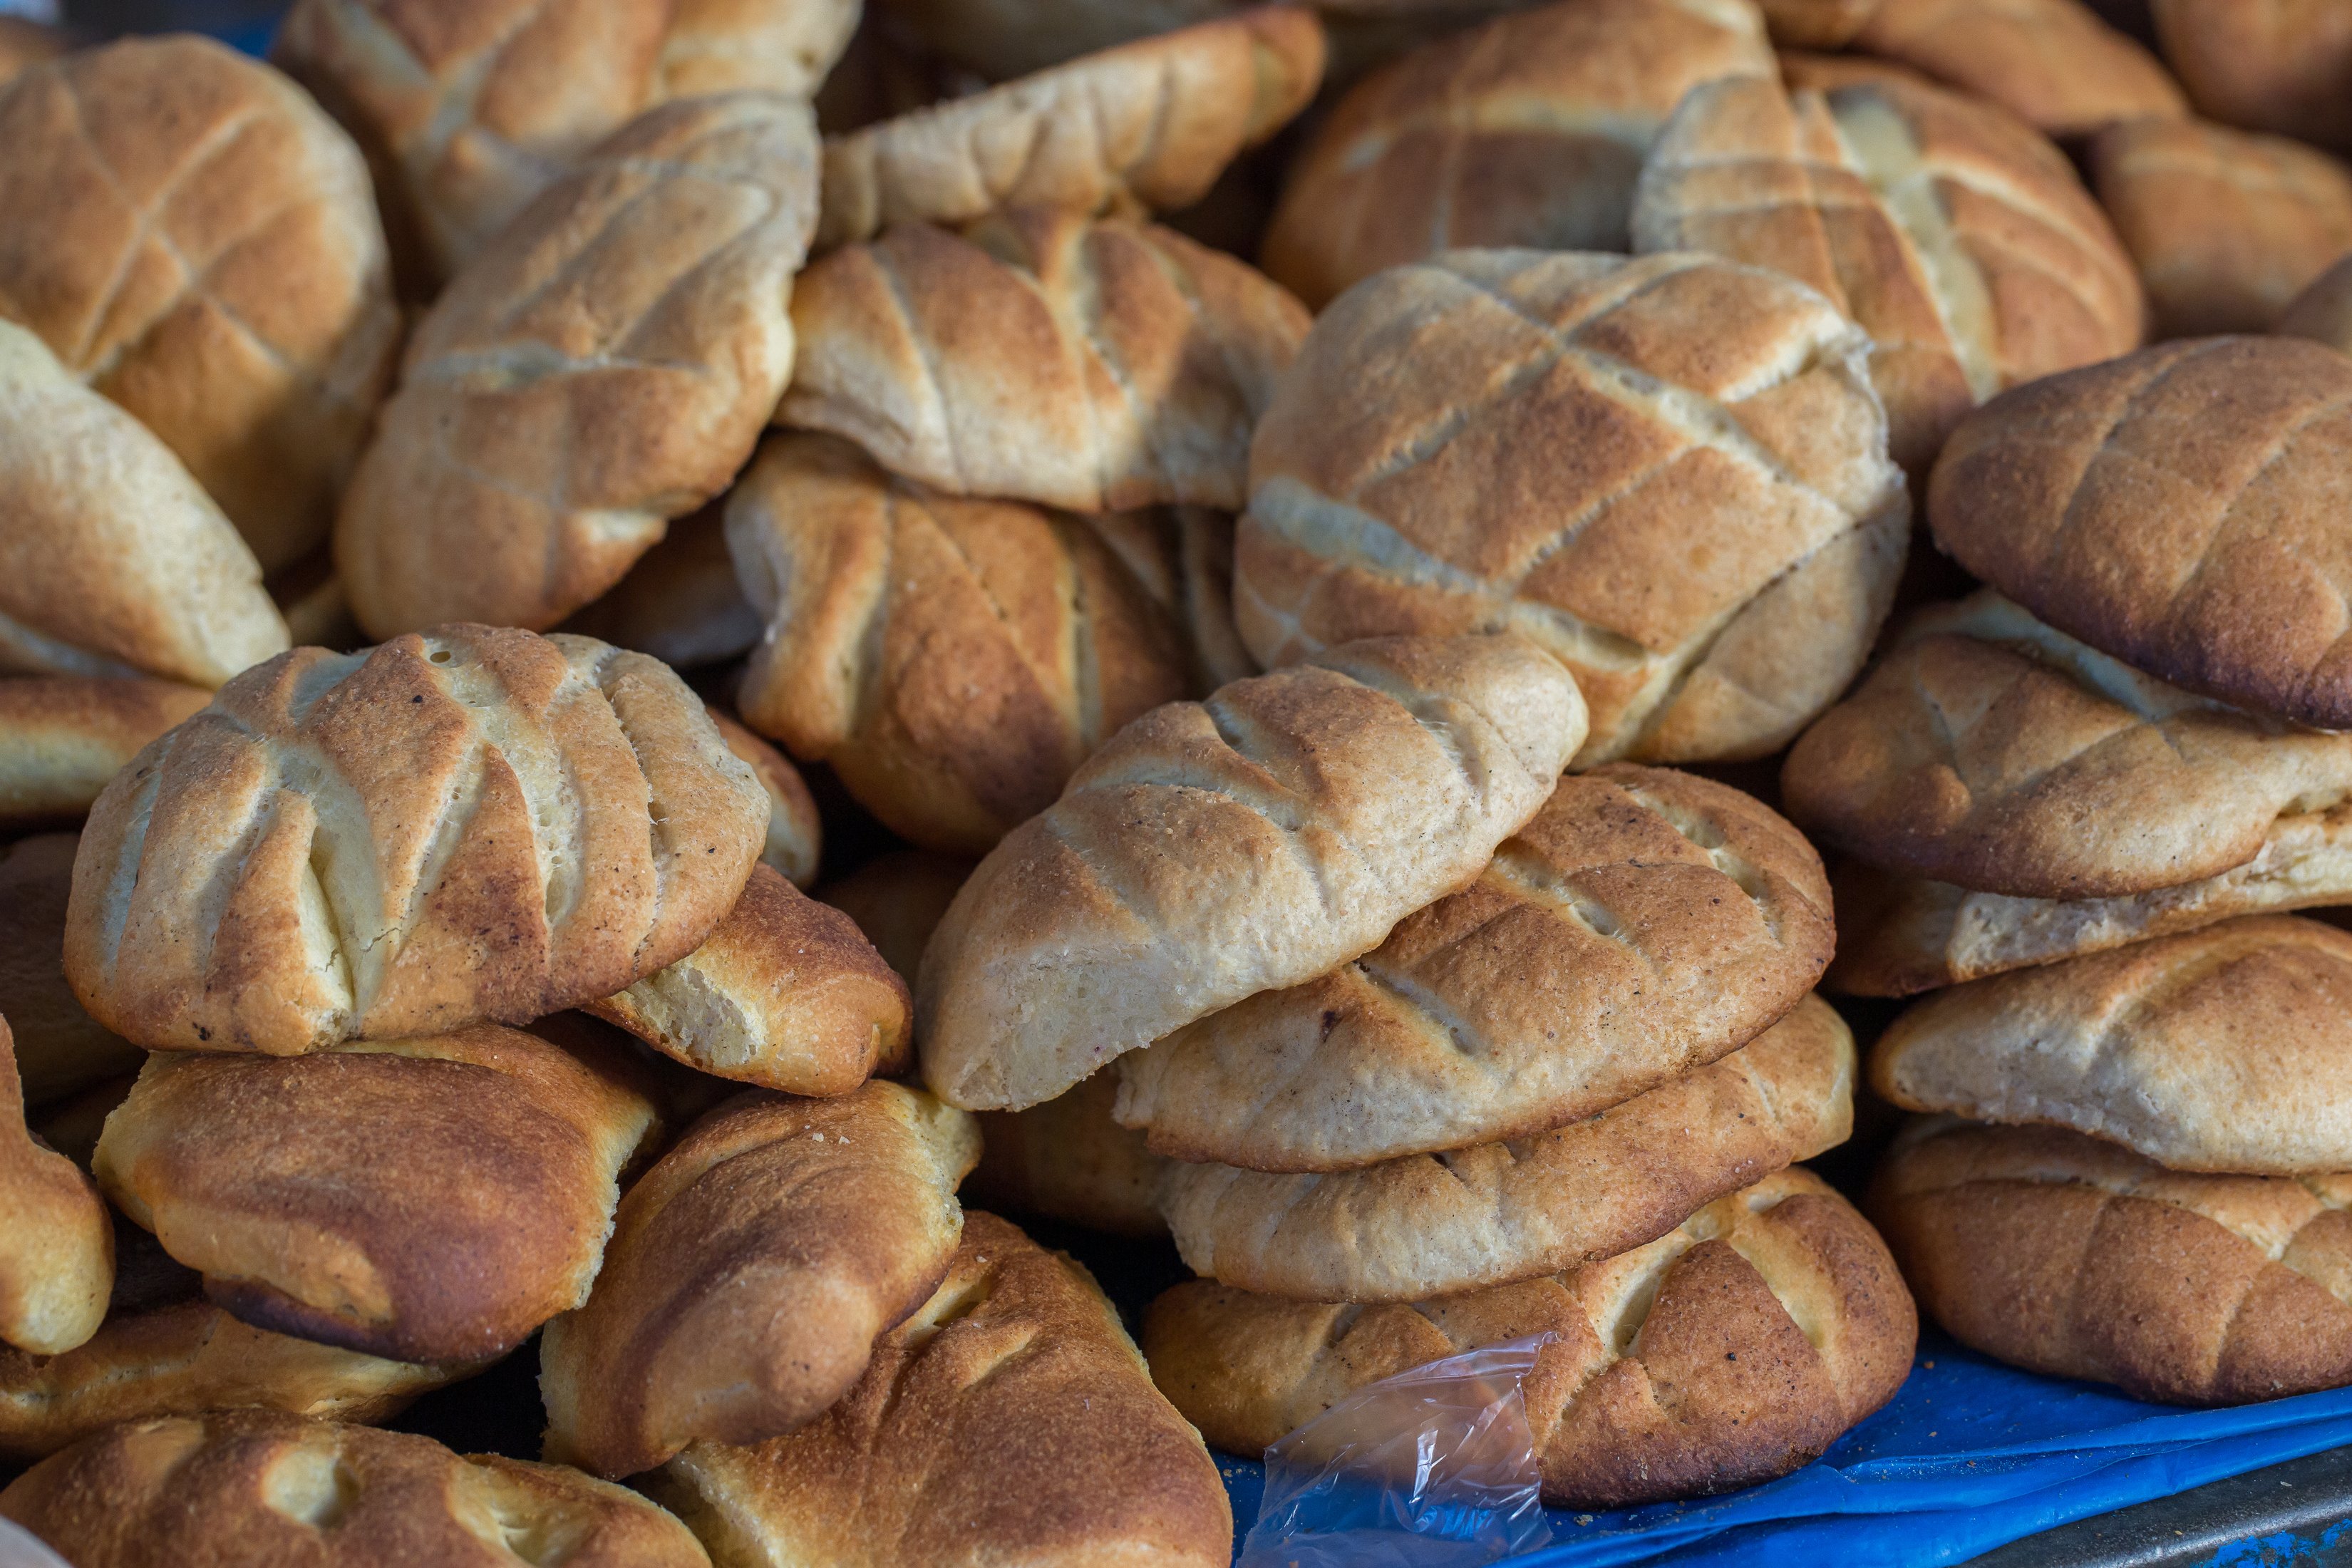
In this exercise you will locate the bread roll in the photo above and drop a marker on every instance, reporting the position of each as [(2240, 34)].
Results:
[(2264, 65), (1958, 239), (1068, 1160), (2180, 509), (62, 737), (1525, 130), (1212, 851), (2323, 312), (1429, 1224), (477, 823), (1148, 124), (1000, 39), (898, 900), (25, 44), (112, 560), (1645, 923), (679, 602), (795, 832), (56, 1250), (1671, 472), (1731, 1350), (2071, 1257), (262, 1487), (604, 367), (1009, 1420), (1804, 68), (432, 1199), (1183, 556), (60, 1048)]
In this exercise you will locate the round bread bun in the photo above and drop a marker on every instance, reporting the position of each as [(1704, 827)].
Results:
[(1733, 1349), (1671, 472), (679, 602), (2264, 65), (897, 901), (56, 1249), (2323, 312), (1068, 1160), (60, 1048), (62, 737), (795, 845)]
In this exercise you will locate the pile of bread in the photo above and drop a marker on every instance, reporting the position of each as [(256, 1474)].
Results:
[(1308, 552)]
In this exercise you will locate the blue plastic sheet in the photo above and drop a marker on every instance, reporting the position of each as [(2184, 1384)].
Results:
[(1969, 1454)]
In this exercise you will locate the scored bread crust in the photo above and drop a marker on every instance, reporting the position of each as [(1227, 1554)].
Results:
[(63, 736), (1643, 924), (1992, 751), (795, 845), (1150, 124), (2180, 509), (1068, 1160), (60, 1048), (56, 1249), (1009, 1420), (1671, 471), (2323, 312), (2264, 65), (2069, 1256), (1432, 1224), (479, 823), (1732, 1349), (1095, 364), (1214, 849), (750, 1271)]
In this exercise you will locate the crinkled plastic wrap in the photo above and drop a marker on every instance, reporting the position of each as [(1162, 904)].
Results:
[(1435, 1467), (19, 1548)]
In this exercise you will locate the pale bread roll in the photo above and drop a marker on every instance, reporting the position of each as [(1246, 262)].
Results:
[(62, 737), (795, 832), (1068, 1160), (56, 1249)]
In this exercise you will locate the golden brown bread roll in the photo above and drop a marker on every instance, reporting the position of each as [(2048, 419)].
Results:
[(2180, 509), (1212, 851), (431, 1199), (1183, 556), (1066, 1159), (1428, 1224), (1958, 239), (1671, 472), (1009, 1420), (1733, 1349), (60, 1048), (481, 823), (898, 900), (2225, 227), (194, 238), (2323, 312), (795, 832), (1150, 124), (606, 365), (1044, 356), (112, 560), (2069, 1256), (1526, 131), (1645, 923), (56, 1249), (680, 602), (785, 993), (25, 42), (62, 737), (469, 109), (1804, 68), (750, 1271), (1000, 39), (262, 1487), (2265, 65)]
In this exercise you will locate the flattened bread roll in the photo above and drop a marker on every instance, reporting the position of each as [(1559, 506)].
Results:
[(795, 832), (1733, 1349), (1068, 1160), (750, 1271), (60, 1048), (112, 560), (1044, 356), (432, 1199), (1671, 472), (607, 365), (2323, 312), (1958, 239), (56, 1249), (1148, 124), (2265, 65), (194, 238), (2181, 507), (1643, 924), (1432, 1223), (262, 1486), (1213, 850), (2068, 1255), (62, 737), (1009, 1420), (477, 823)]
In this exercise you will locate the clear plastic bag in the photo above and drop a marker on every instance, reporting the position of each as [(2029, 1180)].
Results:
[(19, 1548), (1434, 1467)]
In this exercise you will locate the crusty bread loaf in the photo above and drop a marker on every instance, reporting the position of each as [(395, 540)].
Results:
[(1959, 240), (1429, 1224), (2226, 227), (60, 1048), (430, 1199), (1525, 130), (2180, 509), (1093, 364), (62, 737), (1147, 124), (750, 1271), (898, 900), (1990, 750), (1009, 1420), (1732, 1349), (953, 660), (56, 1249), (112, 560), (606, 365), (796, 843), (1671, 471), (467, 108), (194, 238), (477, 823), (2323, 312), (1212, 851), (680, 602), (2069, 1256), (1068, 1160), (258, 1487), (1643, 924), (2264, 65)]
